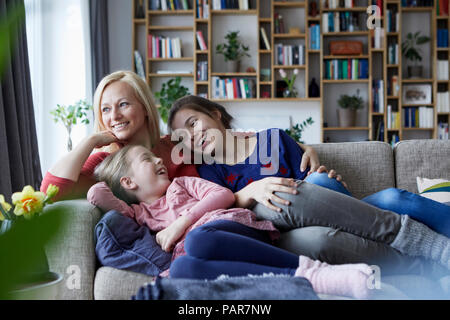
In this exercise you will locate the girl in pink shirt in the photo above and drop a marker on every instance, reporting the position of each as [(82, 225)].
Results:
[(225, 240)]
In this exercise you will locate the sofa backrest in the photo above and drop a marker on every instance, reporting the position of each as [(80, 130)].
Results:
[(421, 158), (366, 167)]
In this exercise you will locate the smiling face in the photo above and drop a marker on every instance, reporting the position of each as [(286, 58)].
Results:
[(122, 113), (202, 129), (148, 176)]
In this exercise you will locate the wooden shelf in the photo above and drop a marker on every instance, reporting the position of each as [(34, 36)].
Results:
[(345, 128), (234, 12), (171, 59), (289, 67), (314, 50), (345, 33), (235, 100), (265, 51), (265, 20), (416, 9), (202, 20), (363, 56), (418, 105), (354, 9), (201, 51), (202, 82), (139, 21), (234, 74), (417, 129), (170, 28), (169, 75), (417, 80), (345, 81), (289, 35), (265, 83), (286, 4)]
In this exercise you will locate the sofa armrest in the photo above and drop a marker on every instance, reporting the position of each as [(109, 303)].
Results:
[(72, 254)]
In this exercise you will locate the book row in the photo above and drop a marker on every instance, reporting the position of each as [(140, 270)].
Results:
[(202, 9), (442, 7), (233, 88), (443, 102), (393, 21), (392, 53), (417, 3), (442, 131), (202, 71), (288, 55), (341, 21), (442, 38), (378, 96), (230, 4), (442, 69), (314, 37), (169, 5), (393, 118), (162, 47), (343, 69), (418, 117), (335, 4), (377, 36)]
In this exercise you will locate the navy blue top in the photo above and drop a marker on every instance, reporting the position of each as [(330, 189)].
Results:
[(260, 164)]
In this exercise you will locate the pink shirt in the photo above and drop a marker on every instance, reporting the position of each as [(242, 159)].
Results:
[(200, 200)]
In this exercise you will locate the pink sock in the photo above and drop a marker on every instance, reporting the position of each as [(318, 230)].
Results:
[(345, 279)]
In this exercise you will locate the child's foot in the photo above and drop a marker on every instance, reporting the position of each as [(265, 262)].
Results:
[(345, 279)]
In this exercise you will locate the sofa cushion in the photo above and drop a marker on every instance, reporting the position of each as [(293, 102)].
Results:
[(115, 284), (434, 189), (366, 167), (124, 244), (421, 158)]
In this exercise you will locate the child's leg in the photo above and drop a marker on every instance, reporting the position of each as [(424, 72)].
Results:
[(196, 268), (431, 213), (232, 241), (322, 179)]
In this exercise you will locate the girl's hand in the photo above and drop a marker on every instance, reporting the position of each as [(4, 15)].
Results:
[(309, 159), (262, 191), (167, 237), (332, 175), (104, 138)]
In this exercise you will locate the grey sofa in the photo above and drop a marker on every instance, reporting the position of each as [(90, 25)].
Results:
[(367, 167)]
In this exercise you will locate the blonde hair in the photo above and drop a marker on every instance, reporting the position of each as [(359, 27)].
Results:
[(143, 94), (112, 169)]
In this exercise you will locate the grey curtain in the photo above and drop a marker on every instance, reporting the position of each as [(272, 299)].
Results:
[(98, 16), (19, 154)]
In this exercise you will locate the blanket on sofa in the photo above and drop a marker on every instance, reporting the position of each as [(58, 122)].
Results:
[(267, 287)]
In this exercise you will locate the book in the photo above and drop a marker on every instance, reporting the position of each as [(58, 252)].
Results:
[(139, 64), (201, 41), (265, 39)]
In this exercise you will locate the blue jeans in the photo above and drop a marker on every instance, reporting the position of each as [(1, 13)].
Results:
[(227, 247), (433, 214)]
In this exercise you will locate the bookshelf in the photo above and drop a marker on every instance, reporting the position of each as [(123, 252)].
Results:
[(199, 69)]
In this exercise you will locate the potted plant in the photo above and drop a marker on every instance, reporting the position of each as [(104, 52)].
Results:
[(25, 230), (233, 51), (296, 131), (349, 104), (289, 91), (170, 91), (412, 52), (69, 116)]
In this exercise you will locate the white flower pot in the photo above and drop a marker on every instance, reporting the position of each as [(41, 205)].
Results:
[(47, 289)]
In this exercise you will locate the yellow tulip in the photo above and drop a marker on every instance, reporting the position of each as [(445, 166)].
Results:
[(5, 205), (28, 202), (52, 191)]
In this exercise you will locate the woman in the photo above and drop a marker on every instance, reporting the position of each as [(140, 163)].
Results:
[(208, 124), (125, 113)]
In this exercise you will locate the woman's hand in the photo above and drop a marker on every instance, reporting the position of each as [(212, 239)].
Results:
[(167, 237), (262, 191), (103, 138), (332, 175), (309, 159)]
